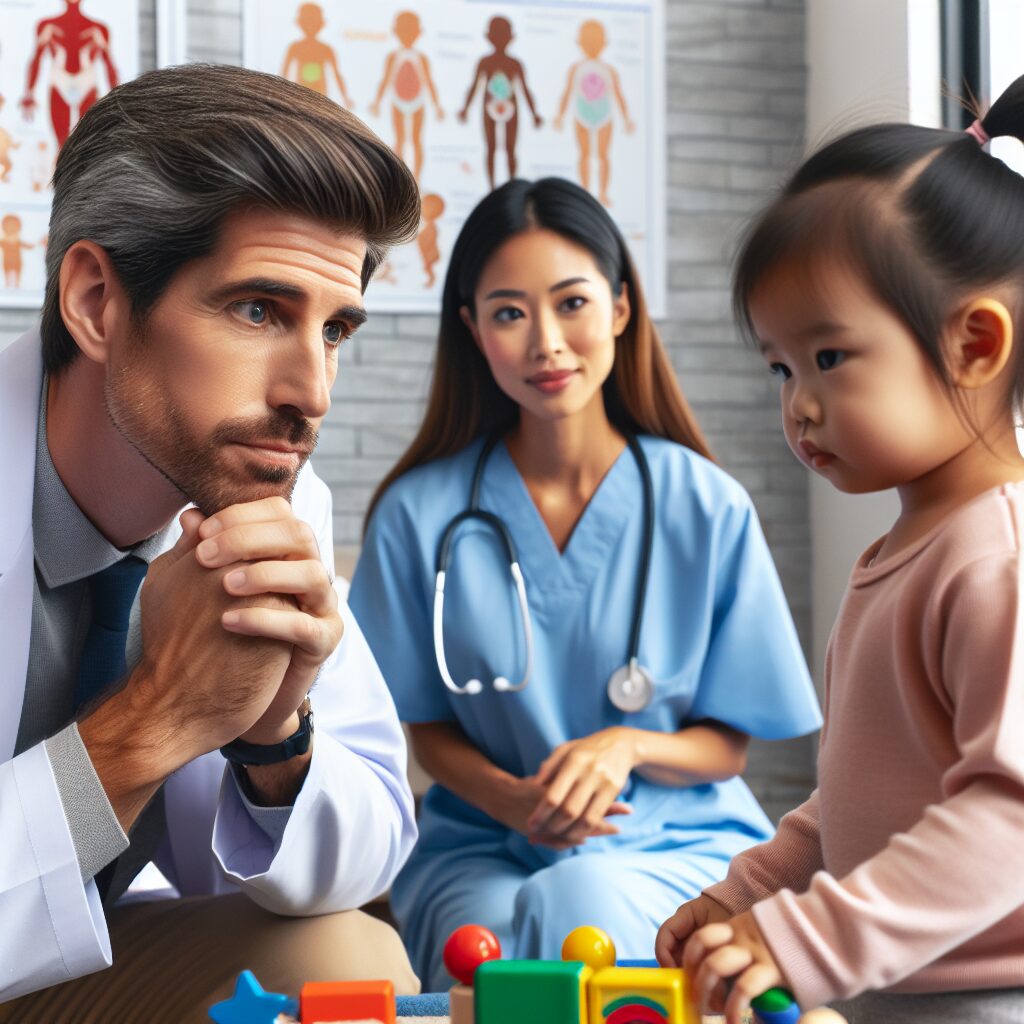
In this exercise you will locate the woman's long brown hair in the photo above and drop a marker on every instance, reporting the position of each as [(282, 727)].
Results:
[(641, 394)]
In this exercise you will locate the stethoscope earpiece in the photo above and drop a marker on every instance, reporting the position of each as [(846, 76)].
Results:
[(631, 687)]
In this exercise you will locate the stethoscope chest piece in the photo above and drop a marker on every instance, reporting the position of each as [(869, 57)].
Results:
[(631, 687)]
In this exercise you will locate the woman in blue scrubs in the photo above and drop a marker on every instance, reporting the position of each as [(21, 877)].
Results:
[(552, 807)]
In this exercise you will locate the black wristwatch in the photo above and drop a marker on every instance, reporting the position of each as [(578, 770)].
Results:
[(240, 752)]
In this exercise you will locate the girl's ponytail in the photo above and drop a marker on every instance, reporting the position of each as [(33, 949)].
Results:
[(1006, 116)]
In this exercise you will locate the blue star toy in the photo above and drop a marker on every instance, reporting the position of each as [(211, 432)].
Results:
[(251, 1005)]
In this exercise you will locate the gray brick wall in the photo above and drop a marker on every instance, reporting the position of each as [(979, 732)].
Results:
[(736, 105)]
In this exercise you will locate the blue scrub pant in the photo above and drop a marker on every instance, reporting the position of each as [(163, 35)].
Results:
[(628, 893)]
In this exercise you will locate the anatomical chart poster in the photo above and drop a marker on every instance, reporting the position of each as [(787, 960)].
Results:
[(57, 57), (472, 93)]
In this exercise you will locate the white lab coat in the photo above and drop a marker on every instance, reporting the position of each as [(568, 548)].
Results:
[(349, 832)]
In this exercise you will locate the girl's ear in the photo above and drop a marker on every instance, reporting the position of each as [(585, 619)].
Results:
[(981, 341), (470, 322)]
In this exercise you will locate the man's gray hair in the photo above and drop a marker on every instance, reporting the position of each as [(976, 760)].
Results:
[(153, 168)]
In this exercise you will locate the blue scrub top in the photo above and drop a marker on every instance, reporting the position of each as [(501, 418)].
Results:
[(717, 636)]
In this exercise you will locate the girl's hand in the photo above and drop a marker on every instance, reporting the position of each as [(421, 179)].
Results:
[(672, 935), (730, 965), (581, 780)]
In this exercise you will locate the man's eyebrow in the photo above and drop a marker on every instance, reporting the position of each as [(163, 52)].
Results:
[(354, 315)]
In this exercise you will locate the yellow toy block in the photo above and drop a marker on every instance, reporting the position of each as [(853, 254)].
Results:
[(639, 995)]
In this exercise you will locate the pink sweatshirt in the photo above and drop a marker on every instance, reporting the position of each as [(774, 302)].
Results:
[(905, 868)]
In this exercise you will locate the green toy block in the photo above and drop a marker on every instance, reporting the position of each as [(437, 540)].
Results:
[(538, 991)]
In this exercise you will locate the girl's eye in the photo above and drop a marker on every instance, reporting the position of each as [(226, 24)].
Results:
[(334, 333), (779, 370), (254, 311), (573, 303), (507, 314), (829, 358)]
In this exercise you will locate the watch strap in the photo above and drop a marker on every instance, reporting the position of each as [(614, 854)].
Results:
[(244, 753)]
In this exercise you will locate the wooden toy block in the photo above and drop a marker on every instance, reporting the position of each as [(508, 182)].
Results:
[(328, 1002), (639, 995), (538, 991), (460, 1005)]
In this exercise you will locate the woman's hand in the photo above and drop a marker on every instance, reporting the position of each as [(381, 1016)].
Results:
[(581, 780), (673, 934), (521, 797), (730, 965)]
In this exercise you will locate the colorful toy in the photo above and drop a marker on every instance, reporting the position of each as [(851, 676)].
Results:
[(335, 1001), (539, 991), (776, 1006), (251, 1005), (467, 948)]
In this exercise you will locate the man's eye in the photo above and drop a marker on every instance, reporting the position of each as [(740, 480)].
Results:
[(334, 333), (829, 358), (256, 312), (779, 370)]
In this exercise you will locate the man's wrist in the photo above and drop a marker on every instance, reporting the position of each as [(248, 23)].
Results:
[(127, 753), (264, 735), (276, 785)]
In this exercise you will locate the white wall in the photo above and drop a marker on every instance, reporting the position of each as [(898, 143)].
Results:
[(872, 60)]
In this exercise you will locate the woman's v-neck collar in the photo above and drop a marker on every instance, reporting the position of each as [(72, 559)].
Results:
[(599, 527)]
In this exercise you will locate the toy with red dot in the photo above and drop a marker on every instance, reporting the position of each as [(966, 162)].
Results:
[(587, 987)]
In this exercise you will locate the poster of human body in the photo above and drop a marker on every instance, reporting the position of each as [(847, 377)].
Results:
[(472, 93), (57, 57)]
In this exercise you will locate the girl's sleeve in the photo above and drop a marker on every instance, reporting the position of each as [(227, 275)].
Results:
[(957, 871), (391, 594), (754, 676), (788, 860)]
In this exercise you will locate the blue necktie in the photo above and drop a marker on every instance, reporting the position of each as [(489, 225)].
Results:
[(113, 590)]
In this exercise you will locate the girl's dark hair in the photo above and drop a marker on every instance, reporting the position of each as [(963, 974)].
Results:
[(923, 215), (641, 394)]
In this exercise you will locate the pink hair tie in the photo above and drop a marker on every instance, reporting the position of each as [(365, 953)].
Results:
[(979, 133)]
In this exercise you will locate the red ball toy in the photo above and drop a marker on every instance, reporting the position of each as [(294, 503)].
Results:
[(467, 948)]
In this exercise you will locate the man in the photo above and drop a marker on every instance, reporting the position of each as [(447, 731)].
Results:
[(212, 232)]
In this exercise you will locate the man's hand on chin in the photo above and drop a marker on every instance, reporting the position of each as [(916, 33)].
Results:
[(237, 619)]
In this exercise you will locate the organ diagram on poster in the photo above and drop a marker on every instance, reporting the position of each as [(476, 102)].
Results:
[(472, 93), (57, 57)]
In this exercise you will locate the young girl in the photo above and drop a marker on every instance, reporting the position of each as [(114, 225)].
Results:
[(548, 368), (884, 288)]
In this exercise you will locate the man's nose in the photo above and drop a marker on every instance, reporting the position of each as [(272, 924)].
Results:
[(301, 377)]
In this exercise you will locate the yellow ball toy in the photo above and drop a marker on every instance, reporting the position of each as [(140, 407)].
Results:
[(591, 945)]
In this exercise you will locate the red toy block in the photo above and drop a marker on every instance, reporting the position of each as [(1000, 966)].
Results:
[(329, 1001)]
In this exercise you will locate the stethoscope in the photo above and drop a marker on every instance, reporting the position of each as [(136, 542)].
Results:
[(630, 687)]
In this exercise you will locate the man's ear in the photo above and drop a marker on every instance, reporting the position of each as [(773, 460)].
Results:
[(981, 340), (470, 322), (93, 304)]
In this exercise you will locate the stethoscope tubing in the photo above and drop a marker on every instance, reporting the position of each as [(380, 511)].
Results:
[(495, 522)]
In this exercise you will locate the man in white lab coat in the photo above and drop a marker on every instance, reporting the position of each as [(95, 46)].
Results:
[(212, 233)]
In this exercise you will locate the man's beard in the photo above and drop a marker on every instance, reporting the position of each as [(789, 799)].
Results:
[(196, 467)]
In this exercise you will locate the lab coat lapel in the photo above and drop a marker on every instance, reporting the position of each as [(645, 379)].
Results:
[(21, 374)]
